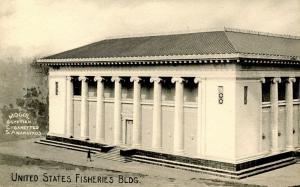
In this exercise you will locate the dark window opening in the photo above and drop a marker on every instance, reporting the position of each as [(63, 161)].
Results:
[(168, 89), (76, 86), (127, 88), (281, 91), (56, 88), (245, 94), (92, 85), (146, 89), (266, 91), (108, 88), (190, 90), (296, 90)]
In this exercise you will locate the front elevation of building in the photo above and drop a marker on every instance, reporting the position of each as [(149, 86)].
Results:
[(230, 97)]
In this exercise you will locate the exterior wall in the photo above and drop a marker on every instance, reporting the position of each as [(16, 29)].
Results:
[(77, 112), (214, 128), (282, 127), (190, 131), (258, 140), (92, 120), (296, 124), (57, 105), (248, 118), (220, 119), (167, 129), (147, 113), (109, 125), (266, 130)]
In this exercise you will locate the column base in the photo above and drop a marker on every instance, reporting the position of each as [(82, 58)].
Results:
[(85, 138), (275, 151), (290, 148), (69, 136), (200, 155), (136, 145), (157, 149), (100, 140), (179, 152), (117, 143)]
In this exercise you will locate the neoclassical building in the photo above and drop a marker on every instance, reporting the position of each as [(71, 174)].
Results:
[(227, 101)]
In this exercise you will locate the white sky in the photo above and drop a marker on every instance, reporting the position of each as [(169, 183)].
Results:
[(37, 28)]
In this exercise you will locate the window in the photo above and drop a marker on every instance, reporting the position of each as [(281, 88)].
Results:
[(190, 90), (92, 86), (127, 88), (220, 95), (296, 90), (76, 86), (168, 90), (245, 94), (56, 88), (281, 91), (109, 88), (146, 89), (266, 91)]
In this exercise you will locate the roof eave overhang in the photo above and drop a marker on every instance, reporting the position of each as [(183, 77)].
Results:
[(170, 59)]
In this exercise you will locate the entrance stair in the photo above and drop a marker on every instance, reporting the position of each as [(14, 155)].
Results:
[(114, 155)]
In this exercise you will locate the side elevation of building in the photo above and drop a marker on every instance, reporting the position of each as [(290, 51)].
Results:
[(226, 101)]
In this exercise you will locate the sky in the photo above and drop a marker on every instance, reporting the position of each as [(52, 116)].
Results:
[(37, 28)]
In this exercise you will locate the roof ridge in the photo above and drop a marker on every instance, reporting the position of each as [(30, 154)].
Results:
[(182, 32), (228, 29), (230, 42)]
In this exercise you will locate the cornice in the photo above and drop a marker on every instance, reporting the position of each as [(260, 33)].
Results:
[(173, 59)]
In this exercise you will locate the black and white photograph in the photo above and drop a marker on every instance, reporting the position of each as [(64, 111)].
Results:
[(162, 93)]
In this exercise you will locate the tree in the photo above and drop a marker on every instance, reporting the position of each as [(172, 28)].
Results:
[(34, 103)]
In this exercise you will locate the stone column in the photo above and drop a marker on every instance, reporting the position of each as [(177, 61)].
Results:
[(136, 130), (260, 140), (117, 110), (274, 113), (70, 109), (178, 116), (289, 113), (156, 127), (199, 133), (100, 126), (84, 122)]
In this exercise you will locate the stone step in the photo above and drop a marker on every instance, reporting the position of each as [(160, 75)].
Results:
[(180, 167), (113, 155), (214, 171), (262, 170), (65, 147), (72, 145)]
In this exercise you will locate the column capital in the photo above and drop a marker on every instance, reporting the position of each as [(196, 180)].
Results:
[(69, 78), (155, 79), (116, 79), (198, 80), (135, 79), (98, 78), (276, 80), (262, 80), (177, 79), (291, 79), (82, 78)]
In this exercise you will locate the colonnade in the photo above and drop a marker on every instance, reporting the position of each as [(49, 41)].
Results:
[(178, 133), (136, 131), (275, 112)]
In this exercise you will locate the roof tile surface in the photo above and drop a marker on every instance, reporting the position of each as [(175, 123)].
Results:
[(216, 42)]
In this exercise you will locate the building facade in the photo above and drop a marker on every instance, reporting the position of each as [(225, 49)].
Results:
[(229, 96)]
